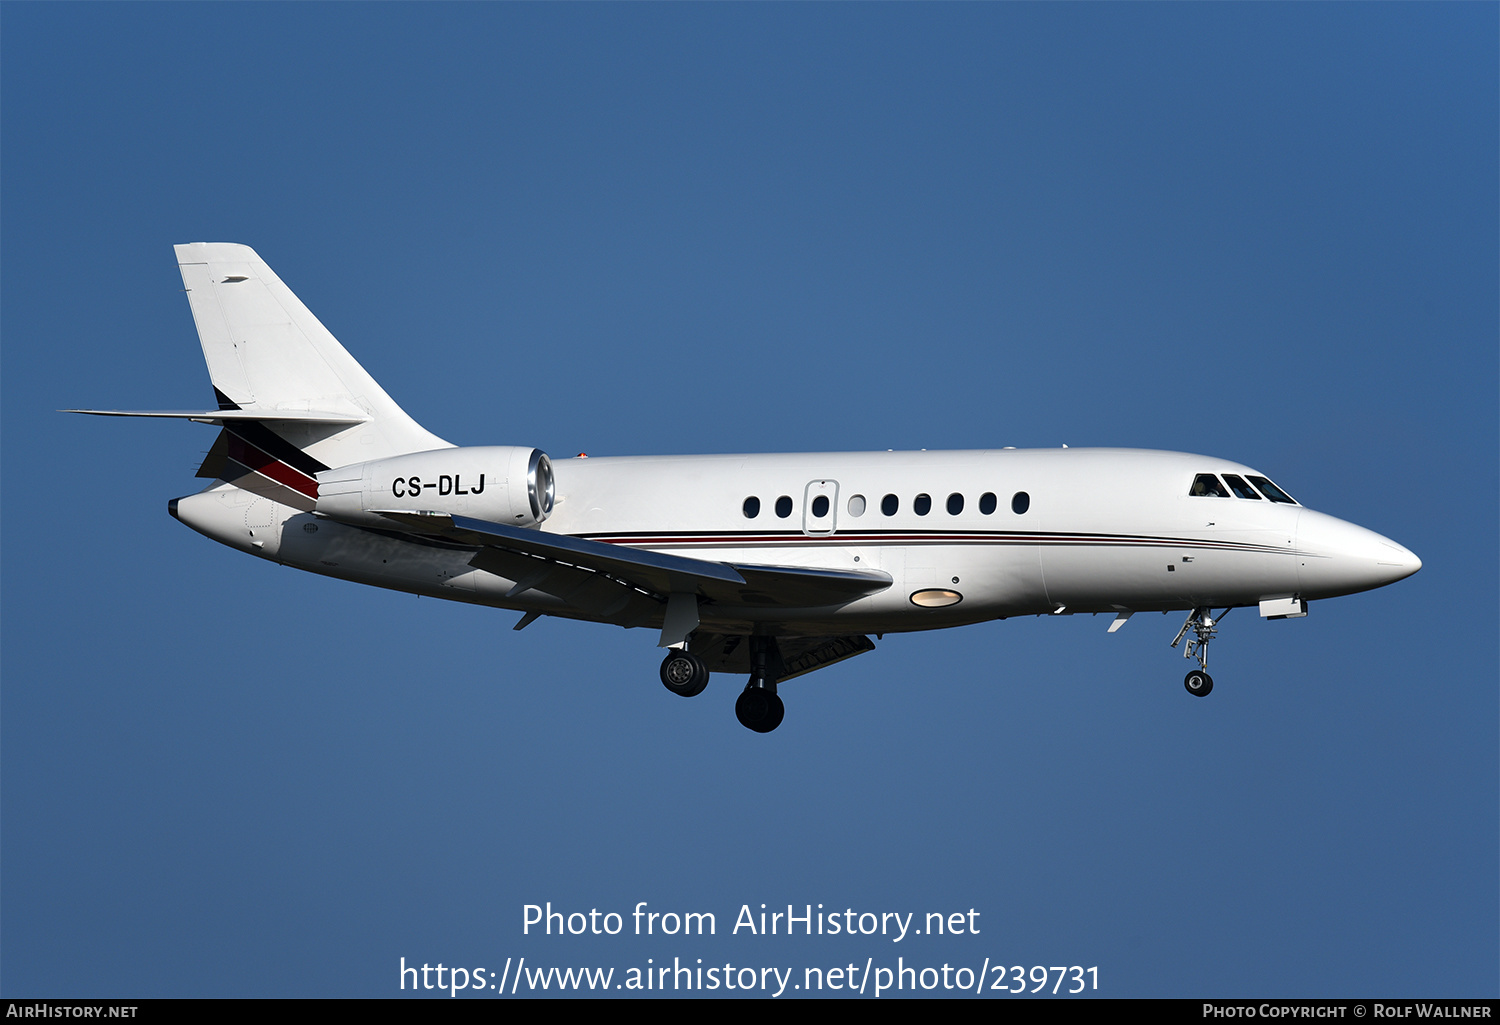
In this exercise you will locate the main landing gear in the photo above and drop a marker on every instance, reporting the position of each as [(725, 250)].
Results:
[(1204, 626), (684, 674), (758, 708)]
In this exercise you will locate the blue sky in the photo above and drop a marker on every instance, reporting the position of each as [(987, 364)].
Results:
[(1264, 232)]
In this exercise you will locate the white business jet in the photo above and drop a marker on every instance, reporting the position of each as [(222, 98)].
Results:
[(771, 565)]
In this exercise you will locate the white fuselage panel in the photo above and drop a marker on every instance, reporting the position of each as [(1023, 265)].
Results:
[(1096, 530)]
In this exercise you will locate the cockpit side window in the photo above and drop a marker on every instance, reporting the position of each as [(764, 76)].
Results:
[(1207, 485), (1271, 491), (1239, 487)]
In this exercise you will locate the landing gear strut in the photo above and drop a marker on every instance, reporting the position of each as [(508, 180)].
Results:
[(759, 708), (684, 673), (1204, 626)]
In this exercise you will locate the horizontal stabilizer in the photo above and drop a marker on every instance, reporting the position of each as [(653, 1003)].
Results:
[(656, 572), (207, 416)]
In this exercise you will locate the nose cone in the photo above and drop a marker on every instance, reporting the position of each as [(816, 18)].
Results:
[(1397, 562), (1337, 557)]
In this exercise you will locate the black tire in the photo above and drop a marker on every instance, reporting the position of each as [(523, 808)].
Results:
[(759, 709), (778, 713), (1198, 683), (684, 674)]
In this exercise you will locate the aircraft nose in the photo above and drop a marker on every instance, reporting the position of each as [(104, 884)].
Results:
[(1398, 562), (1341, 558)]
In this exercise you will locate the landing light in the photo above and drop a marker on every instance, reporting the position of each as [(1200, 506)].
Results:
[(936, 598)]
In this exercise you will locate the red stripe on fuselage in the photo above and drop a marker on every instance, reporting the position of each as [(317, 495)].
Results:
[(241, 451), (927, 538)]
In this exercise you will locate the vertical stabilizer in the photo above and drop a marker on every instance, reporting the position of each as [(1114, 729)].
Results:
[(266, 351)]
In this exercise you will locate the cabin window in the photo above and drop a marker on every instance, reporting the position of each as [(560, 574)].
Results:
[(922, 505), (1239, 487), (784, 506), (1271, 491), (820, 507), (1206, 485), (987, 502), (752, 507), (955, 504), (857, 505), (889, 504), (1020, 502)]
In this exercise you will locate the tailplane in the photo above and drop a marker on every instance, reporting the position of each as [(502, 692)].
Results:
[(291, 399)]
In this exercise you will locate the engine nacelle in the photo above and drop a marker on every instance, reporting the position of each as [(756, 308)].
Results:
[(499, 483)]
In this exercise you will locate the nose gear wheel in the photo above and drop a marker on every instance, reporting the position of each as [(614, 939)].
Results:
[(1204, 626)]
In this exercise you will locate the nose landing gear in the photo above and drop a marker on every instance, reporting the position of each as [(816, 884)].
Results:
[(1204, 627)]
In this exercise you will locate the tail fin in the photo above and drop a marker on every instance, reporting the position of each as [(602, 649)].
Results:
[(267, 353)]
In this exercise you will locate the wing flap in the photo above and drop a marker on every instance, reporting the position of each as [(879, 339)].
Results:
[(583, 589)]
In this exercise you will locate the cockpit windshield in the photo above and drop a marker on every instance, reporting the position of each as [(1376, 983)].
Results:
[(1207, 485), (1239, 487), (1271, 491)]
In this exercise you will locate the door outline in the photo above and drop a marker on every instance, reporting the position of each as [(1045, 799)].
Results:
[(815, 526)]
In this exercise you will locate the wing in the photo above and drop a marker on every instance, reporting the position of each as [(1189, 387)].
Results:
[(555, 563)]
